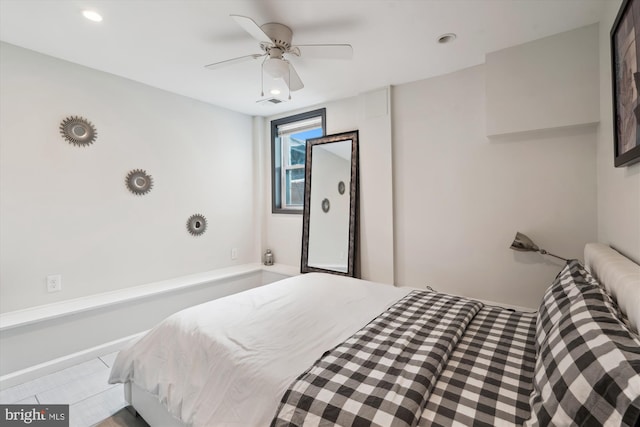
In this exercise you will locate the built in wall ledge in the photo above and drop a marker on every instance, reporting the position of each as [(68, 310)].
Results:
[(550, 132), (18, 318), (284, 269)]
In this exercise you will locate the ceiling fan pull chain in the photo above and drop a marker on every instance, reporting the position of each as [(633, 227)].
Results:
[(262, 79)]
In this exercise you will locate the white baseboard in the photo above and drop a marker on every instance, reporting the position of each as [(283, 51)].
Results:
[(36, 371)]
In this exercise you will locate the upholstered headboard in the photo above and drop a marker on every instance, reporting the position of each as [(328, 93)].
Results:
[(619, 275)]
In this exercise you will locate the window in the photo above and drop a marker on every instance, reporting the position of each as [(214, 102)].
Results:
[(288, 150)]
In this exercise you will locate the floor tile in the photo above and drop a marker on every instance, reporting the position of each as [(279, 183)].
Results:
[(31, 400), (83, 387), (108, 359), (48, 382), (76, 391), (96, 408), (123, 418)]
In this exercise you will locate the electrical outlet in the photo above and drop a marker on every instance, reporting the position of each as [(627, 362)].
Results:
[(54, 283), (234, 253)]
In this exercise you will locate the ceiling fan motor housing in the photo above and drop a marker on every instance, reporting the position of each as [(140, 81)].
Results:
[(281, 36)]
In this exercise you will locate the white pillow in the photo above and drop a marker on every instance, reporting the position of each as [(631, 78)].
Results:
[(619, 275)]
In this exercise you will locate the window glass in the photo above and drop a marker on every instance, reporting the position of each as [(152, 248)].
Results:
[(288, 150)]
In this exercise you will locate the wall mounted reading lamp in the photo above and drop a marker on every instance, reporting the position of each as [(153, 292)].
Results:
[(525, 244)]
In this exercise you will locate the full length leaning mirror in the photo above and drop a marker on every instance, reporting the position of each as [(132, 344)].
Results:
[(330, 212)]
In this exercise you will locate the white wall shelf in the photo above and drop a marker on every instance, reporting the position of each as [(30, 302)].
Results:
[(18, 318)]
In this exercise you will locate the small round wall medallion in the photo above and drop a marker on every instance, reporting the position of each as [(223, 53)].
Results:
[(196, 224), (326, 205), (341, 187), (78, 131), (138, 182)]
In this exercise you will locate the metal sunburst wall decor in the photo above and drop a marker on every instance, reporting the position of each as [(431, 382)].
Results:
[(78, 131), (139, 182), (196, 224)]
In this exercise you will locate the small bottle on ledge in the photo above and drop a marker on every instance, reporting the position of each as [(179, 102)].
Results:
[(268, 257)]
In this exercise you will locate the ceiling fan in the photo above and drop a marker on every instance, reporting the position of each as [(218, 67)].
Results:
[(275, 43)]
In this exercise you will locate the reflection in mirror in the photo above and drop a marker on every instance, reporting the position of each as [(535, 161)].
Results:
[(330, 216), (325, 205)]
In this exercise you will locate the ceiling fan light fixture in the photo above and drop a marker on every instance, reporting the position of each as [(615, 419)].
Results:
[(277, 68), (92, 15), (274, 91)]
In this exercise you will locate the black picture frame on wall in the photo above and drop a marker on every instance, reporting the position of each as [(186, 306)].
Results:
[(625, 61)]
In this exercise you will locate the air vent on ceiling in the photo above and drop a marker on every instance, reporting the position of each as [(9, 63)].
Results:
[(271, 100)]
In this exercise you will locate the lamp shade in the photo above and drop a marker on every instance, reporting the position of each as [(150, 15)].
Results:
[(523, 243)]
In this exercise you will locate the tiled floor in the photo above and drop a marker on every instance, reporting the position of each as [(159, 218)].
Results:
[(84, 387)]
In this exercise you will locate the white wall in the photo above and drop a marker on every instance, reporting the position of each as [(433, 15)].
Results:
[(377, 257), (370, 114), (546, 83), (283, 232), (618, 188), (460, 197), (65, 209)]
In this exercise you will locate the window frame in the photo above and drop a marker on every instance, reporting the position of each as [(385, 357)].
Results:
[(278, 180)]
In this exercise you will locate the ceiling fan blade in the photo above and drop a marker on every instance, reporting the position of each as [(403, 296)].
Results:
[(232, 61), (326, 51), (293, 79), (250, 26)]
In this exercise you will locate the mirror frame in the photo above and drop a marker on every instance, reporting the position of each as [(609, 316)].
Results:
[(353, 202)]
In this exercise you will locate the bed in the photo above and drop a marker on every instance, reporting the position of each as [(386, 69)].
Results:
[(324, 350)]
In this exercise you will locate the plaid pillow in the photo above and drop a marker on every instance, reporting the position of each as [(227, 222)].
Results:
[(588, 362), (572, 284)]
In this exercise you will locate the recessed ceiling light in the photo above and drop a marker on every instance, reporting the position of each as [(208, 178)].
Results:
[(275, 91), (92, 15), (446, 38)]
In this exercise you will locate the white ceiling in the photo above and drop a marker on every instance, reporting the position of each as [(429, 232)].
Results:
[(166, 43)]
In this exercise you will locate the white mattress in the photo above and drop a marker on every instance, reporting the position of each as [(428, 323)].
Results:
[(229, 361)]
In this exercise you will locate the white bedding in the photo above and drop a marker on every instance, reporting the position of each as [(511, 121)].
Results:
[(229, 361)]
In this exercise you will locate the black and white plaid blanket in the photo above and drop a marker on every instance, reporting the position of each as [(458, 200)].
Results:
[(487, 381), (383, 374)]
